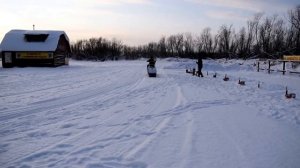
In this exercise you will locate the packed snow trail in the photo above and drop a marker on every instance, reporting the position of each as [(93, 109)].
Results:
[(111, 114)]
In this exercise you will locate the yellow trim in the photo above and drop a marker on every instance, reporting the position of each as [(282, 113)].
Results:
[(291, 57), (34, 55)]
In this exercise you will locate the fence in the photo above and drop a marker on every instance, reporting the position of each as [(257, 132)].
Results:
[(293, 59)]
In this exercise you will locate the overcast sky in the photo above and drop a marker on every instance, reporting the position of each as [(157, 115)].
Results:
[(132, 21)]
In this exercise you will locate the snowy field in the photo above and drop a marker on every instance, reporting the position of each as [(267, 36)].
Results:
[(112, 115)]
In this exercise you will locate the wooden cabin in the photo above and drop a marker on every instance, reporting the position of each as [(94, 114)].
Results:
[(35, 47)]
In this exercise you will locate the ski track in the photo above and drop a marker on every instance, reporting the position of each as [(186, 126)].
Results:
[(71, 102), (100, 115), (77, 103)]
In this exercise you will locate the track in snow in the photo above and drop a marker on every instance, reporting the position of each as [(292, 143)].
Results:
[(112, 115)]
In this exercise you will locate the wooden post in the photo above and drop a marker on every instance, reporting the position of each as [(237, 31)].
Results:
[(194, 71), (258, 66), (283, 69), (269, 70)]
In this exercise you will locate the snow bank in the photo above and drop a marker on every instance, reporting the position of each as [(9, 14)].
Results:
[(213, 65)]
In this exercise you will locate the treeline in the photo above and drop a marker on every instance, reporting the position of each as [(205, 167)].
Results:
[(262, 37)]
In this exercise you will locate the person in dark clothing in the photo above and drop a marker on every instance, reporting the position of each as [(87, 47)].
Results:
[(200, 65), (151, 62)]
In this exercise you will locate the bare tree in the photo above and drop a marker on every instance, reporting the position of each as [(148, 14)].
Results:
[(171, 44), (268, 37), (253, 30), (266, 30), (227, 45), (162, 45), (278, 36), (188, 45), (116, 48), (179, 44), (198, 44), (207, 41), (152, 49), (242, 42), (294, 19)]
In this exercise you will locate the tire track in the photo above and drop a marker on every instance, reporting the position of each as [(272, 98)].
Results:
[(162, 124), (79, 98), (112, 136), (72, 103), (122, 89)]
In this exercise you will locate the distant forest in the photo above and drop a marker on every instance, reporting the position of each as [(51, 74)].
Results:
[(263, 37)]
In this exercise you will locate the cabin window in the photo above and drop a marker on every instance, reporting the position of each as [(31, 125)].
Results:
[(36, 37)]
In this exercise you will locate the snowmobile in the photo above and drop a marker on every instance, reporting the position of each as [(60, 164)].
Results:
[(151, 70)]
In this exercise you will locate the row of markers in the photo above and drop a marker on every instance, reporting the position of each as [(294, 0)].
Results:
[(240, 82)]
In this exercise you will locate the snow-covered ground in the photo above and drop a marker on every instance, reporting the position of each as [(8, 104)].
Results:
[(111, 114)]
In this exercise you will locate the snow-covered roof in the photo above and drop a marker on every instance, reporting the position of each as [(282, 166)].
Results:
[(15, 40)]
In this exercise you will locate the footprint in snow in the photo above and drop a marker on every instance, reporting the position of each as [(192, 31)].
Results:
[(37, 134), (67, 125)]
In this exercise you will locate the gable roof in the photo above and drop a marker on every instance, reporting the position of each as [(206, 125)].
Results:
[(17, 40)]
